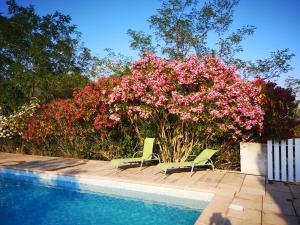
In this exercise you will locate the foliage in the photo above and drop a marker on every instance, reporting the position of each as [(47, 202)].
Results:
[(189, 103), (38, 44), (294, 84), (280, 107), (17, 91), (80, 126), (186, 104), (140, 41), (182, 27), (12, 126), (36, 51), (272, 67), (111, 64), (297, 129)]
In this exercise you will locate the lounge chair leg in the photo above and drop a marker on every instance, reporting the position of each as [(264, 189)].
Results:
[(212, 166), (141, 164), (192, 170)]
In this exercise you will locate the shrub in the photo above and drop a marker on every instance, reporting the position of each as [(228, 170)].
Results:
[(280, 107), (12, 126), (188, 104), (77, 127)]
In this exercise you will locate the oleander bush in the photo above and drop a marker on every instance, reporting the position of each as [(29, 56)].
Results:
[(190, 104)]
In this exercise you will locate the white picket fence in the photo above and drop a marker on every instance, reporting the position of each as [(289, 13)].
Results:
[(284, 160)]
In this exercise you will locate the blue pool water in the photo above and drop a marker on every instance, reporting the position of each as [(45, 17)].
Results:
[(28, 203)]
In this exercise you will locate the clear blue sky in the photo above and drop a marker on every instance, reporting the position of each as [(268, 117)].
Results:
[(103, 23)]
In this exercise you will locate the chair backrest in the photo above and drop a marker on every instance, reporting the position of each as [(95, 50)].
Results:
[(204, 155), (148, 148)]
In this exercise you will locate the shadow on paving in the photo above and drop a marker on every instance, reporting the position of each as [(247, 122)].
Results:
[(218, 219), (256, 201), (47, 165), (281, 202), (265, 202)]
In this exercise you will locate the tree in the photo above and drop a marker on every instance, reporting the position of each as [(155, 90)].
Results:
[(140, 41), (183, 27), (272, 67), (111, 64), (294, 84), (15, 92), (34, 49)]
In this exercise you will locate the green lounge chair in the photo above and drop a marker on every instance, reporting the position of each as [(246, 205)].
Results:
[(148, 155), (203, 159)]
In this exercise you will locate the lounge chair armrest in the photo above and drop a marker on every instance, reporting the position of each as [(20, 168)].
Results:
[(136, 153), (209, 160)]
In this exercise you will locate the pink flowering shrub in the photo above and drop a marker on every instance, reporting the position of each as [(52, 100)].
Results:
[(191, 103)]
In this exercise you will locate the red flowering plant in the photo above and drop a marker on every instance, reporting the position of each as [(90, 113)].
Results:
[(280, 107), (73, 124), (91, 103), (190, 103)]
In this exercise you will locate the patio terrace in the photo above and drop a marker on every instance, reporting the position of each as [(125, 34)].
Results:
[(239, 198)]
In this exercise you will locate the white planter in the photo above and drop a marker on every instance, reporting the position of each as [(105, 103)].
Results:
[(253, 158)]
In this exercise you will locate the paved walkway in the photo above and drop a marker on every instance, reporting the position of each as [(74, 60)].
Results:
[(239, 198)]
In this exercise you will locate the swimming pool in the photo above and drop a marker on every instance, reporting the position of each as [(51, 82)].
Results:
[(28, 200)]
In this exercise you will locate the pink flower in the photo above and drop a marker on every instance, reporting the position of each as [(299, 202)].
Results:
[(114, 117)]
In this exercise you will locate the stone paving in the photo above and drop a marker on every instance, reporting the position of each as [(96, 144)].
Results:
[(238, 198)]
